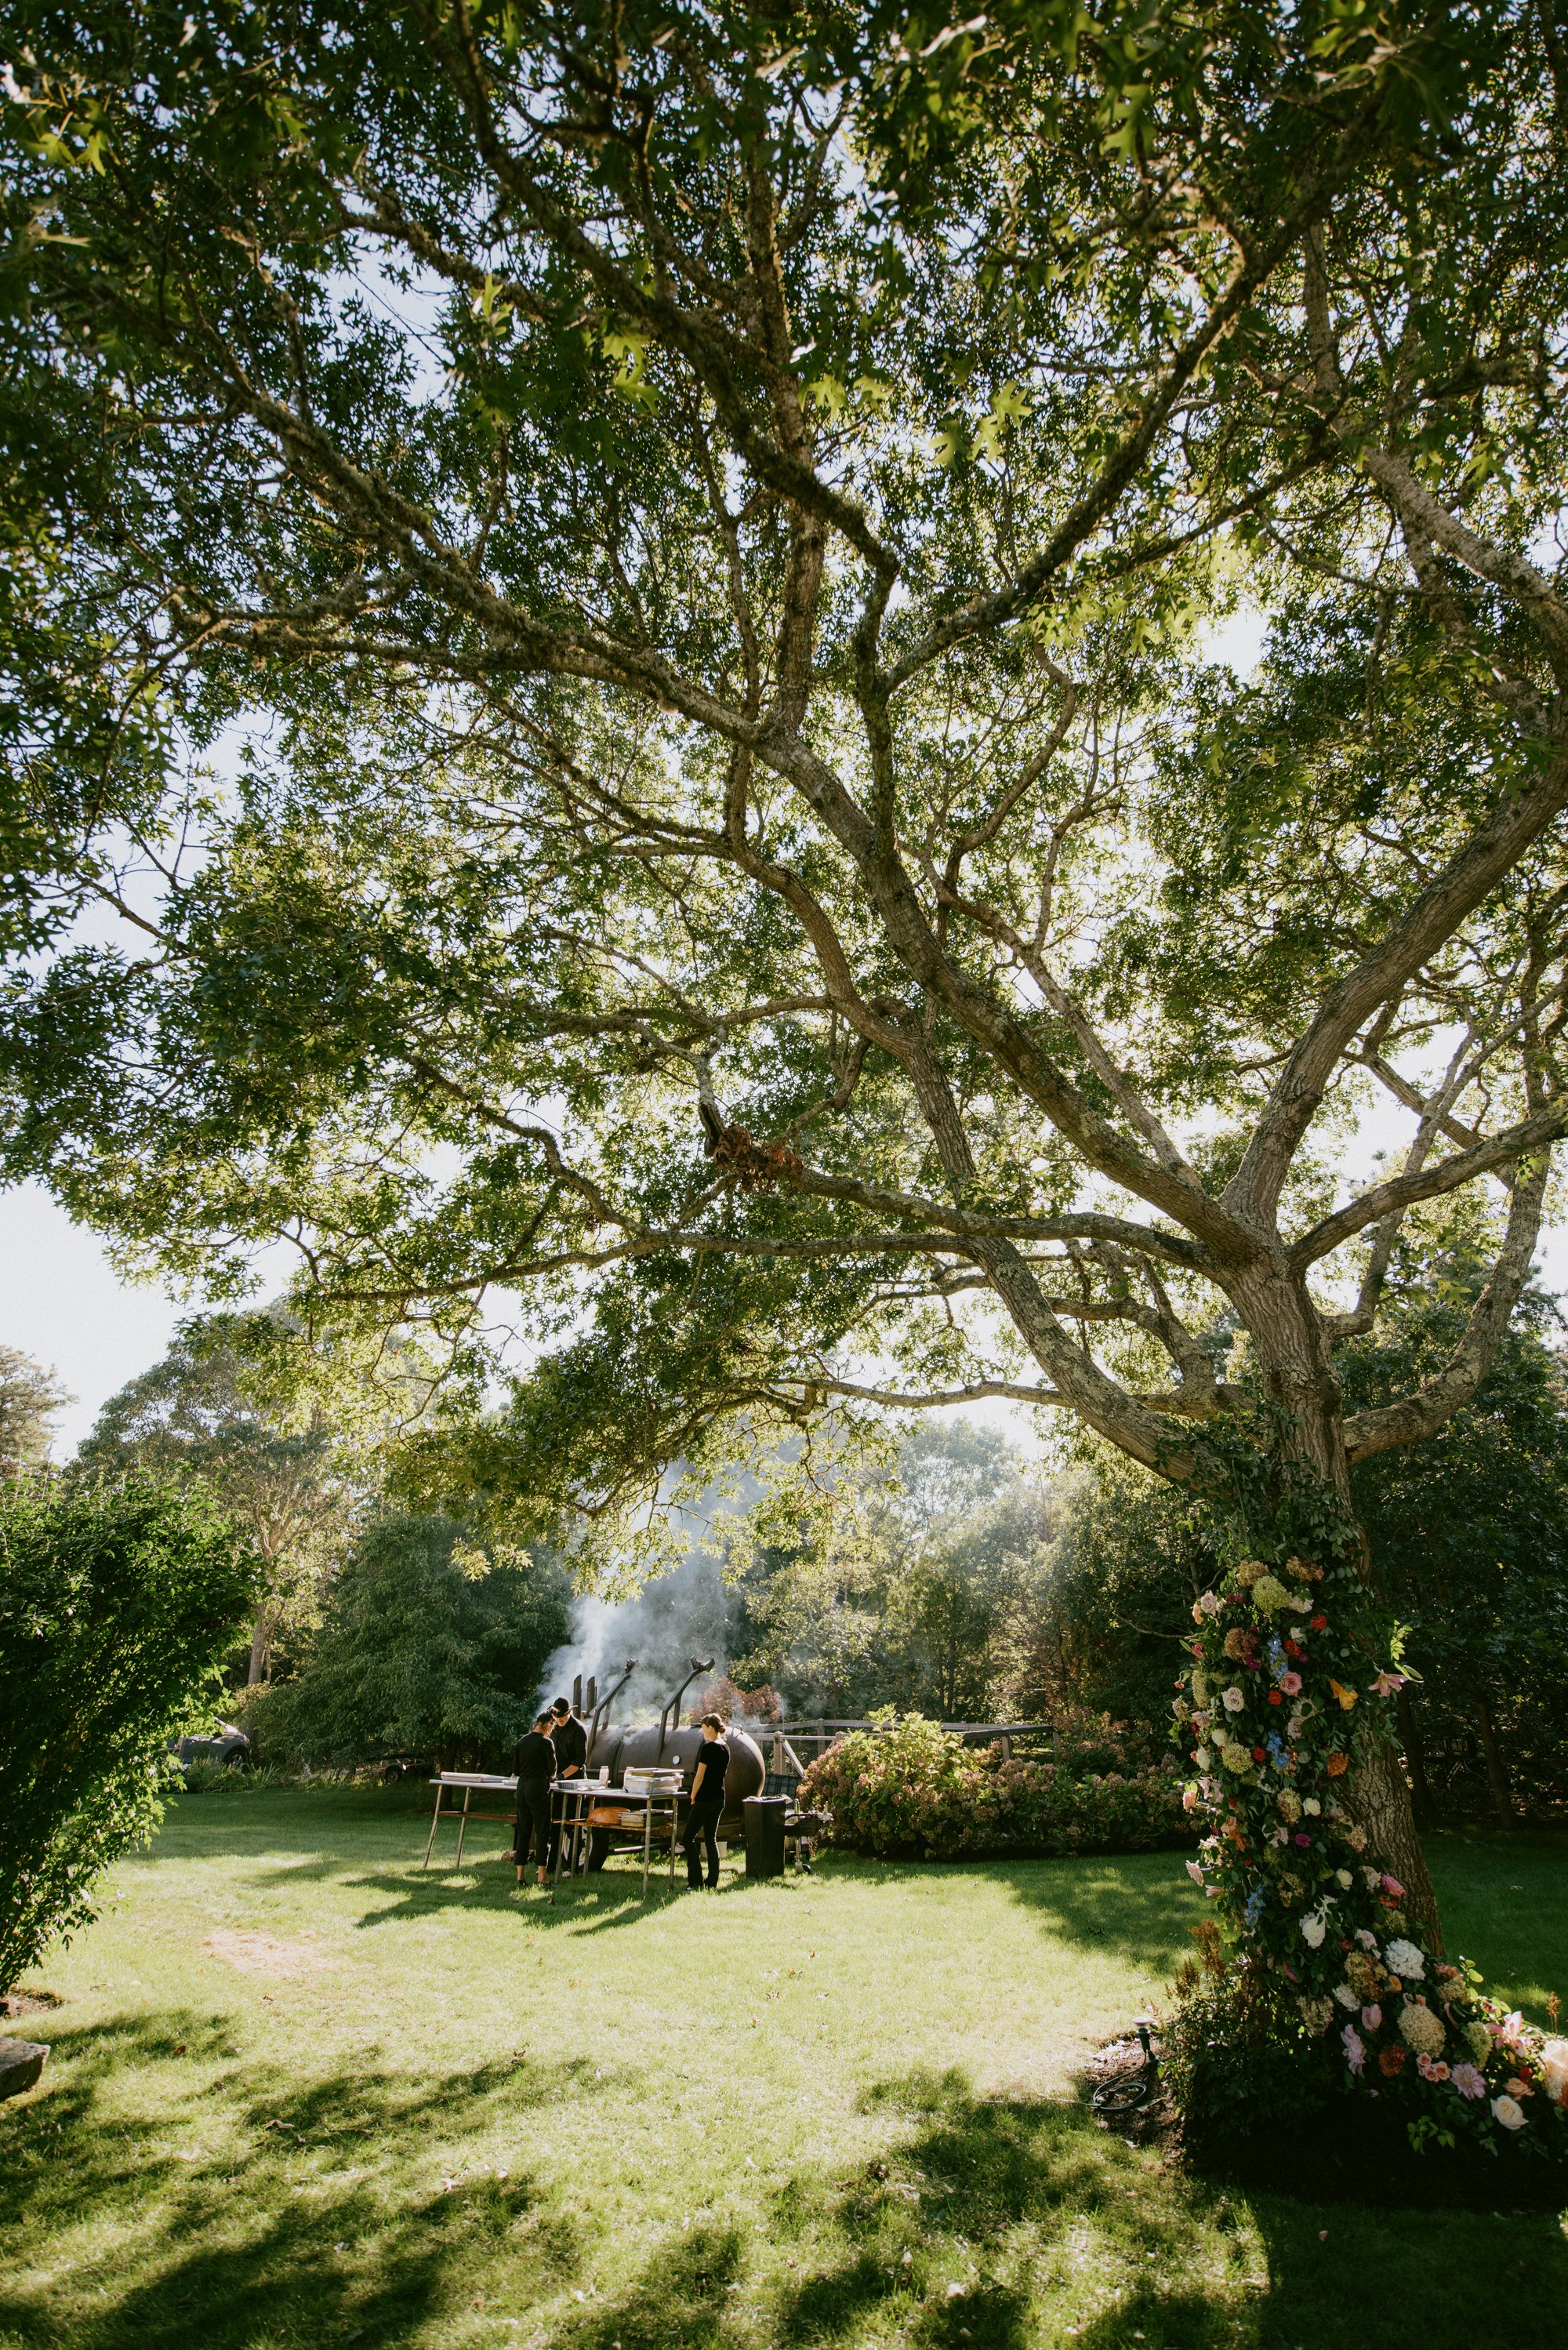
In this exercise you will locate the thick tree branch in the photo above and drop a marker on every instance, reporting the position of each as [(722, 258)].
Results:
[(1423, 1413), (1533, 1134)]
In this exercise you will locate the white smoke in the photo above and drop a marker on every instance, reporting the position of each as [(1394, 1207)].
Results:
[(677, 1617)]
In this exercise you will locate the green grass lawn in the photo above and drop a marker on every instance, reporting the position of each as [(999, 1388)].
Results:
[(302, 2094)]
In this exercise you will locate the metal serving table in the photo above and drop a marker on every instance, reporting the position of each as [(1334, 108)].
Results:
[(586, 1795), (468, 1780)]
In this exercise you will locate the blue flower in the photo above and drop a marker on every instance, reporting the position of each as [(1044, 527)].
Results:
[(1256, 1900), (1279, 1753)]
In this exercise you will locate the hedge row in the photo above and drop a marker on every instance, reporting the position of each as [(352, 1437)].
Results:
[(915, 1790)]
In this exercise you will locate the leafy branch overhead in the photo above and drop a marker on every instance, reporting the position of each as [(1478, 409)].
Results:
[(713, 534)]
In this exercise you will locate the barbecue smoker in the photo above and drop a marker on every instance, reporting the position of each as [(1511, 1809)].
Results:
[(623, 1746)]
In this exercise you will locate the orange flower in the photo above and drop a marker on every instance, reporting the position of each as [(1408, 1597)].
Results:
[(1338, 1764)]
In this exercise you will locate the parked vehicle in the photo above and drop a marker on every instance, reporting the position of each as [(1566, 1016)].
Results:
[(227, 1748)]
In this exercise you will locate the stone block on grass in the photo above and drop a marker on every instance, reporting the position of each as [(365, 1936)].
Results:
[(21, 2063)]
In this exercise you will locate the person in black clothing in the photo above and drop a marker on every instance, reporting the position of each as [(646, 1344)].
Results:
[(571, 1741), (707, 1802), (535, 1763), (571, 1760)]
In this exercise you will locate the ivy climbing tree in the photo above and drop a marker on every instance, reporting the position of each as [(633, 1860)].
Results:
[(705, 539)]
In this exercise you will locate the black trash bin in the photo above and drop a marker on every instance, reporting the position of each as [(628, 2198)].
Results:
[(764, 1819)]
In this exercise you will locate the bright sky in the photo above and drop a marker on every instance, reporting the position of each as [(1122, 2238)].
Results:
[(62, 1301)]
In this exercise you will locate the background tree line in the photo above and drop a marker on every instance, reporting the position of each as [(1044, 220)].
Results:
[(951, 1576)]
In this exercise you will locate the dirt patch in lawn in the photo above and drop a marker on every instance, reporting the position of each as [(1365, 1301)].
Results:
[(260, 1954)]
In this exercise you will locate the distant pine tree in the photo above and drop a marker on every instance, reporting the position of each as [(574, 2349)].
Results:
[(30, 1399)]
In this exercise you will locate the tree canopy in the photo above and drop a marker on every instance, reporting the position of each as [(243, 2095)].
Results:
[(657, 571), (30, 1399), (233, 1416), (425, 1644)]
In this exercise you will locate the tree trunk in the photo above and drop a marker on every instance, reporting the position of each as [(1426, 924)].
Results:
[(1377, 1797), (1298, 1370), (1425, 1802), (261, 1647), (1492, 1754)]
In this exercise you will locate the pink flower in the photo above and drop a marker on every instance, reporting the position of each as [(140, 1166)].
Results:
[(1389, 1684), (1467, 2081), (1392, 1888), (1355, 2048), (1195, 1872), (1302, 1838), (1372, 2015), (1430, 2069), (1291, 1683)]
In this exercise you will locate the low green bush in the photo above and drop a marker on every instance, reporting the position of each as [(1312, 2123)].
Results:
[(116, 1605), (219, 1779), (916, 1791)]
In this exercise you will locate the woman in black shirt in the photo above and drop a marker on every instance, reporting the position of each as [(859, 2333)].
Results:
[(707, 1802), (535, 1763)]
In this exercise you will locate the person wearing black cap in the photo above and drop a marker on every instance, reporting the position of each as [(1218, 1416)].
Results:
[(535, 1763), (571, 1741), (707, 1803), (571, 1760)]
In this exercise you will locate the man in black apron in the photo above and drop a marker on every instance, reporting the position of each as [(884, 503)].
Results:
[(571, 1741)]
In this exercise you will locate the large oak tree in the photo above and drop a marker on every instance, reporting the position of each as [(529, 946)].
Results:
[(708, 528)]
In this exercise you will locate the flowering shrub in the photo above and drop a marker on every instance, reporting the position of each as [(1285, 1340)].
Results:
[(914, 1789), (1289, 1670)]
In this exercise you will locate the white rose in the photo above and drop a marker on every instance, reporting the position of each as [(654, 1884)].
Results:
[(1405, 1959), (1233, 1701), (1313, 1932), (1508, 2112), (1347, 1997), (1342, 1877), (1311, 1806)]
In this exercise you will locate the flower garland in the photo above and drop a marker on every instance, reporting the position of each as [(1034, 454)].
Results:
[(1292, 1666)]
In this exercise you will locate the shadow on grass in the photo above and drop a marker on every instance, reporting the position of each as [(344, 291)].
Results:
[(306, 2210), (1000, 2224), (609, 1898), (1140, 1905), (1504, 1901), (310, 2220)]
